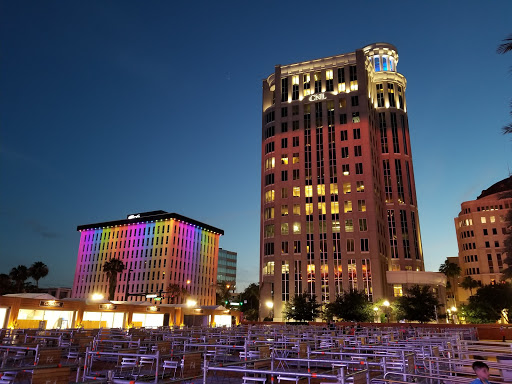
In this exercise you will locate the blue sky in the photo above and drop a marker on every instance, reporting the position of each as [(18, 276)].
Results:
[(113, 107)]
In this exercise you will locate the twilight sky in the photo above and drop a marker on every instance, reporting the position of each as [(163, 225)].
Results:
[(114, 107)]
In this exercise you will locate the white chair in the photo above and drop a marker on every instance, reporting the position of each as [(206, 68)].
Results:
[(128, 363), (171, 365), (8, 377), (147, 360), (72, 356)]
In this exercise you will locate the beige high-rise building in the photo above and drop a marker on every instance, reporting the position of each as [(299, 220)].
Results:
[(481, 230), (338, 199)]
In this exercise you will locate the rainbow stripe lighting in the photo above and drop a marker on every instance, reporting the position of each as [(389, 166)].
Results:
[(159, 249)]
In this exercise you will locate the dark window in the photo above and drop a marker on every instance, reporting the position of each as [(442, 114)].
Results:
[(344, 152), (357, 151), (344, 135), (284, 127), (284, 143), (359, 168), (343, 118), (284, 175), (295, 174), (284, 111), (295, 125), (296, 141), (357, 133), (284, 89), (355, 101)]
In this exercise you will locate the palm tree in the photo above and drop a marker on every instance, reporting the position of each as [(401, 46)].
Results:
[(37, 271), (452, 271), (505, 47), (112, 268), (19, 274), (175, 291), (469, 283)]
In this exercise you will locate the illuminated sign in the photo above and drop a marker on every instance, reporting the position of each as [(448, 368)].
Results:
[(51, 304), (153, 309), (318, 96), (108, 306), (137, 216)]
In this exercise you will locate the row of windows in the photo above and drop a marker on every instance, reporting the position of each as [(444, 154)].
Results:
[(321, 191), (304, 81), (345, 168)]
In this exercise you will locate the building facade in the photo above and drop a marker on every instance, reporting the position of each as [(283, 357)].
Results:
[(226, 269), (157, 249), (481, 230), (338, 201)]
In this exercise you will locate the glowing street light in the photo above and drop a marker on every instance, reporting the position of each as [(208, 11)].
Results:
[(97, 296), (191, 303), (386, 303), (269, 304)]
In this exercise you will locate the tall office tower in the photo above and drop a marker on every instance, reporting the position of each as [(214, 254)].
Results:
[(338, 202), (157, 248), (481, 231), (226, 270)]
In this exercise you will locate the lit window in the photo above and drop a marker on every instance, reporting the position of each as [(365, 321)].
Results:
[(321, 208), (397, 290), (347, 188), (284, 210), (268, 269), (269, 196), (335, 207), (492, 219), (349, 225), (295, 158), (284, 159), (355, 117), (296, 228), (269, 213), (296, 191), (308, 190), (359, 186), (483, 219), (270, 163), (296, 209), (284, 228), (347, 206), (320, 189), (307, 84), (268, 231), (309, 208), (361, 205)]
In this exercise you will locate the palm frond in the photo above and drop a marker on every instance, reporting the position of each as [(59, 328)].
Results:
[(507, 129), (505, 46)]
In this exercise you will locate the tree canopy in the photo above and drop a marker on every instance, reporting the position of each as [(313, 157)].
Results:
[(250, 299), (350, 306), (418, 304), (37, 271), (112, 268), (302, 307), (489, 304)]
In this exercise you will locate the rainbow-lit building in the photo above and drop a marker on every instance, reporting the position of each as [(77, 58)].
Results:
[(157, 248)]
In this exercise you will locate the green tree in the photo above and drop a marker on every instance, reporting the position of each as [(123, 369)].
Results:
[(112, 268), (175, 292), (303, 307), (489, 304), (350, 306), (507, 272), (418, 304), (504, 47), (19, 275), (37, 271), (223, 294), (469, 283), (452, 271), (250, 299), (6, 284)]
